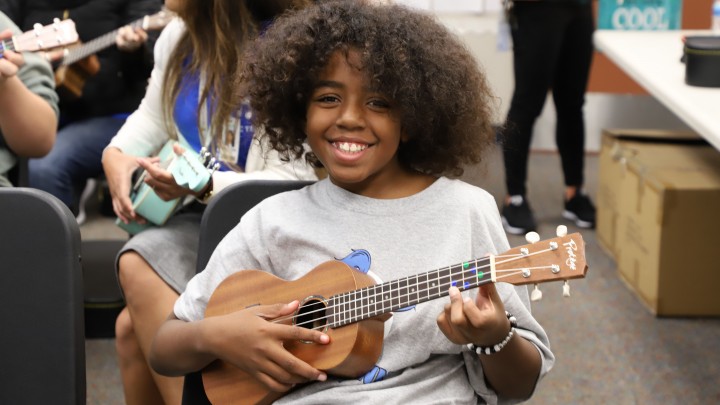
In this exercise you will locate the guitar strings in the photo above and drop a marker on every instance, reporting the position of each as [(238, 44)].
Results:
[(358, 309), (441, 287), (514, 272)]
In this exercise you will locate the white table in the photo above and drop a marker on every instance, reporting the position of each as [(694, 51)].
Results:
[(652, 58)]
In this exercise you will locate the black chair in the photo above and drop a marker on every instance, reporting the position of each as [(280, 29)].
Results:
[(42, 355), (221, 215), (18, 174)]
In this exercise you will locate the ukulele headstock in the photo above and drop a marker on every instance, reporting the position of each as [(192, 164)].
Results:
[(158, 20), (57, 34), (558, 259)]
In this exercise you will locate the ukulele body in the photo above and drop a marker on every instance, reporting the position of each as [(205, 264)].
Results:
[(70, 80), (353, 349)]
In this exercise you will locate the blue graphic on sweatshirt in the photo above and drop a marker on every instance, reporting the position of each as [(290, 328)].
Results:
[(360, 260), (376, 374)]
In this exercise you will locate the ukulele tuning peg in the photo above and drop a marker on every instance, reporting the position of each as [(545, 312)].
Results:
[(566, 289), (532, 237), (561, 231), (536, 294)]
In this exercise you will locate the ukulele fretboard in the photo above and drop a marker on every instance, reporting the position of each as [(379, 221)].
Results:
[(354, 306)]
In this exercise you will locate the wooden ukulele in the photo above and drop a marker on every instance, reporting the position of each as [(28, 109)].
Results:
[(351, 308), (77, 64), (57, 34)]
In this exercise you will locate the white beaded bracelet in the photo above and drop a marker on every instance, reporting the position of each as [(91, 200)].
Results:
[(488, 350)]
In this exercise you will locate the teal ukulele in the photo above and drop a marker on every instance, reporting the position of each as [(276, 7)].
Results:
[(190, 170)]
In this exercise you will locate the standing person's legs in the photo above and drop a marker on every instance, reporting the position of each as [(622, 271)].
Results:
[(569, 88), (75, 157), (536, 43)]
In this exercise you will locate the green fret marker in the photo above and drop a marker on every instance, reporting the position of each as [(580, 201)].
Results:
[(480, 274), (466, 265)]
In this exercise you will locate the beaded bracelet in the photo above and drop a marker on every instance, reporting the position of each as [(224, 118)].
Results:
[(487, 350)]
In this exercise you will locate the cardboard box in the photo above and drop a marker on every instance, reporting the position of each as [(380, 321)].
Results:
[(658, 216), (620, 146)]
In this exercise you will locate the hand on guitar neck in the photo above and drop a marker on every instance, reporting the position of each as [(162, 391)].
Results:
[(74, 66)]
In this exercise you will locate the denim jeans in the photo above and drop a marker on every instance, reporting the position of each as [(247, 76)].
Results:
[(75, 157)]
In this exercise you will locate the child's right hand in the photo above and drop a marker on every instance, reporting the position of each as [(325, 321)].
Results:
[(250, 340)]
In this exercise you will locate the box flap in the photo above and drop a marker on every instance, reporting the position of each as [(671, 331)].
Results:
[(676, 167), (654, 135)]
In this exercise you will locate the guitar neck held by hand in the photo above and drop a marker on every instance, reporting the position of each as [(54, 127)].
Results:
[(57, 34), (77, 64)]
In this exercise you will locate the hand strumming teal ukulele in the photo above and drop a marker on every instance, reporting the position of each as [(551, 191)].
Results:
[(351, 308), (190, 170)]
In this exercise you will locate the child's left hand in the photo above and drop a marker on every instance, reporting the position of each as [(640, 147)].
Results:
[(482, 322), (10, 61)]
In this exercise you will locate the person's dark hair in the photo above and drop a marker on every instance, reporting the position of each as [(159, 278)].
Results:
[(444, 99)]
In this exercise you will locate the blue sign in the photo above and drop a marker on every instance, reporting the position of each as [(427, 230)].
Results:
[(648, 15)]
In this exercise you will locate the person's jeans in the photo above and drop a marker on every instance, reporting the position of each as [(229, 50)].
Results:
[(75, 157)]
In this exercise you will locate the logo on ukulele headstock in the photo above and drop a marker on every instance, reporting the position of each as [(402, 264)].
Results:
[(570, 249)]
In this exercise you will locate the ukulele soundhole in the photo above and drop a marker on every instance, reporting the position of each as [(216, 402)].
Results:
[(312, 315)]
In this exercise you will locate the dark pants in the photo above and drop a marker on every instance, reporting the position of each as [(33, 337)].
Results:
[(552, 49)]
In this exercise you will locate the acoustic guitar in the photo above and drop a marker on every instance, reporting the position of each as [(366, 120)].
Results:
[(351, 308), (57, 34), (75, 65)]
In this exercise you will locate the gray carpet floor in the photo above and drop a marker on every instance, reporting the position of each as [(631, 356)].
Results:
[(610, 349)]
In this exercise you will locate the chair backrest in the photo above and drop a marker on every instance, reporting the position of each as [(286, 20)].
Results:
[(221, 215), (225, 210), (42, 355), (18, 174)]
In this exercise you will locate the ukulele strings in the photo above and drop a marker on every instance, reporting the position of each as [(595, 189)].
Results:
[(443, 285), (96, 45), (513, 272)]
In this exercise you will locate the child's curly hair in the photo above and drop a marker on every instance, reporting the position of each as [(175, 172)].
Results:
[(443, 98)]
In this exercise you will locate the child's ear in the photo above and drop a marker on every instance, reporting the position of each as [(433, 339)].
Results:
[(404, 137)]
